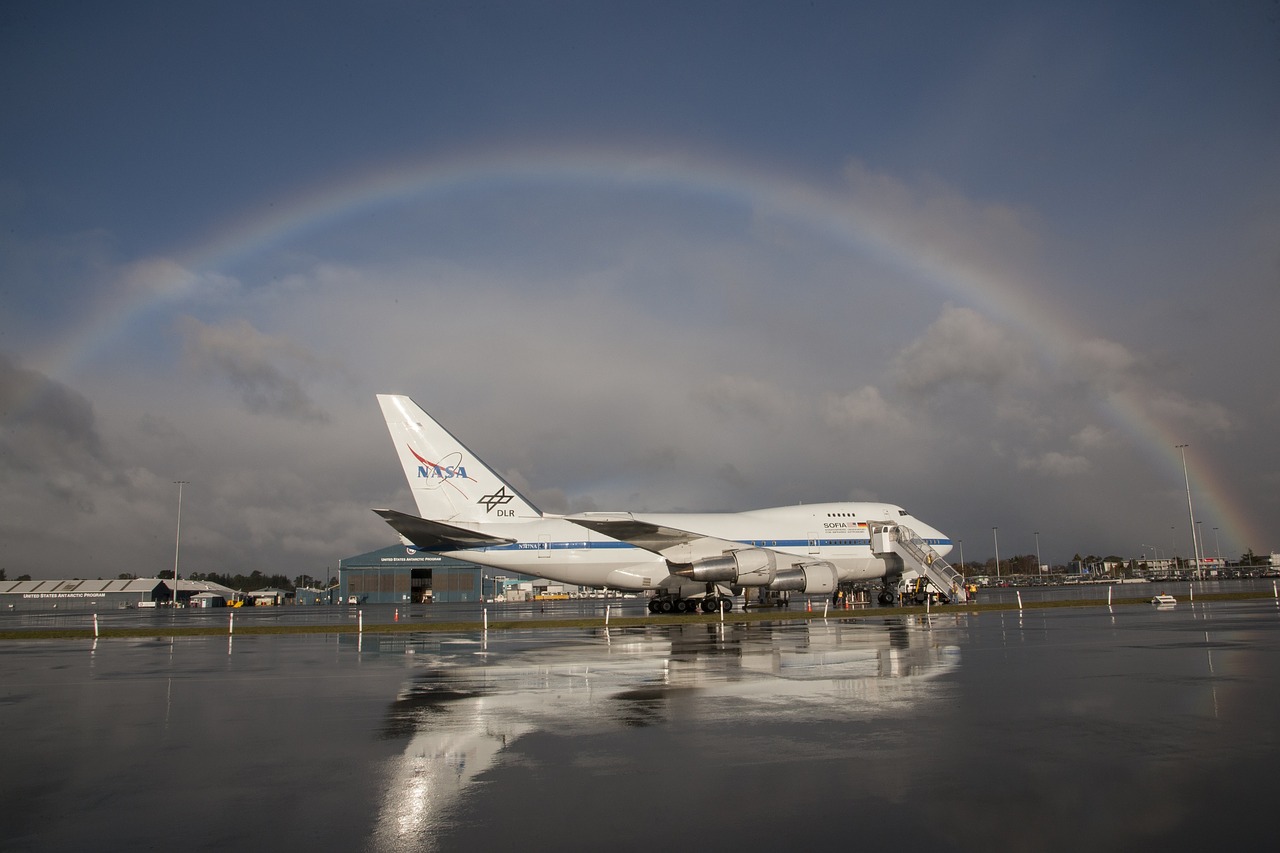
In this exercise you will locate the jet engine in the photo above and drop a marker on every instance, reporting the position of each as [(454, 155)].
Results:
[(812, 579), (748, 567)]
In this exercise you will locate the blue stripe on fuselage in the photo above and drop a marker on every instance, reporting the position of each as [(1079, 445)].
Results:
[(614, 544)]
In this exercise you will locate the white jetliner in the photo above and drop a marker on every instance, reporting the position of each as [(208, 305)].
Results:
[(689, 560)]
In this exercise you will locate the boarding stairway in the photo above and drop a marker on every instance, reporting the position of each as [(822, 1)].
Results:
[(919, 556)]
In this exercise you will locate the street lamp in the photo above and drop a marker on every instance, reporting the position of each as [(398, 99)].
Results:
[(996, 537), (1039, 565), (1156, 551), (177, 539), (961, 543), (1195, 545), (1216, 547), (1200, 538)]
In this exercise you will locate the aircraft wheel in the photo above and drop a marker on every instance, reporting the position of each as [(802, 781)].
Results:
[(728, 603), (886, 598), (708, 605), (655, 605), (666, 605)]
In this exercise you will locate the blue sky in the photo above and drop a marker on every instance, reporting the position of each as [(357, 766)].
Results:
[(988, 261)]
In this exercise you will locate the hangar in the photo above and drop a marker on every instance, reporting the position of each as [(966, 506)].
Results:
[(401, 574), (101, 594)]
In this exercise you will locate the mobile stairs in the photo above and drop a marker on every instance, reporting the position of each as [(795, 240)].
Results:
[(919, 555)]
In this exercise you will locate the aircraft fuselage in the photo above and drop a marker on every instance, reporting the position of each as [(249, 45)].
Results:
[(562, 551)]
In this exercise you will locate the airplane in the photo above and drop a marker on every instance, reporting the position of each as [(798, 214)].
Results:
[(687, 560)]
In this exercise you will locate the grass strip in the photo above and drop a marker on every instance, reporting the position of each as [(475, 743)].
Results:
[(734, 617)]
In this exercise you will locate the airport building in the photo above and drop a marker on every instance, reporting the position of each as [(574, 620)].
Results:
[(404, 575), (102, 594)]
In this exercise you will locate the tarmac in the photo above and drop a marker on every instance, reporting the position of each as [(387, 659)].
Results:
[(1120, 728)]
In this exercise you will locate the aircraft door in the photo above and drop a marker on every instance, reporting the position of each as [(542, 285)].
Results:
[(815, 543)]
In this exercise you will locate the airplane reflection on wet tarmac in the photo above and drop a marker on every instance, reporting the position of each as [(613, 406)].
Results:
[(465, 704)]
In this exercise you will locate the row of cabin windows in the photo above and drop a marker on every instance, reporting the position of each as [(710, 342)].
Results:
[(854, 514), (765, 543)]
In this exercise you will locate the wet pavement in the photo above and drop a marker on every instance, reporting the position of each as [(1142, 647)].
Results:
[(1111, 729), (72, 617), (165, 618)]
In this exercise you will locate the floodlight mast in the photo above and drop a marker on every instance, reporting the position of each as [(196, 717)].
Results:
[(1191, 513), (177, 539), (996, 537)]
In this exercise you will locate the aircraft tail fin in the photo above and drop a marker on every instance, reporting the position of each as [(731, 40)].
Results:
[(449, 482)]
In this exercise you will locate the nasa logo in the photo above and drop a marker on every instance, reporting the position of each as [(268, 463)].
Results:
[(435, 473), (445, 472)]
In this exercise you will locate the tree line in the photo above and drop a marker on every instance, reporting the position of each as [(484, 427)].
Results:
[(246, 583), (1027, 564)]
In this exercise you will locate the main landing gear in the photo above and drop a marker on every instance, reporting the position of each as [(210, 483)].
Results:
[(671, 604)]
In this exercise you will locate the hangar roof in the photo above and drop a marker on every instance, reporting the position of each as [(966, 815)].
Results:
[(201, 586), (135, 586), (138, 585), (404, 557)]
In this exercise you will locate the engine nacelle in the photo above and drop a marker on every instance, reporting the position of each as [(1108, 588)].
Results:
[(748, 567), (813, 579)]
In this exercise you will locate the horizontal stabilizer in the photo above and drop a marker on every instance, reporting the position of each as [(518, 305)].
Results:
[(436, 535)]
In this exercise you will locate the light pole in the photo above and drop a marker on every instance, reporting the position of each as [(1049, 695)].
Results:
[(961, 543), (995, 536), (1200, 539), (1217, 549), (1039, 565), (1195, 545), (1157, 553), (177, 539)]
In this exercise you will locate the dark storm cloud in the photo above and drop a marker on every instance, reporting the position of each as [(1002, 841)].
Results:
[(256, 365), (46, 427)]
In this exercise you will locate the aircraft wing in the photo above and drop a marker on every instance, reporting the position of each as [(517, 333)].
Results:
[(434, 535), (677, 546)]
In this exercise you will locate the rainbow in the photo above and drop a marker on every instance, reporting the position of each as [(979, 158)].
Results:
[(838, 217)]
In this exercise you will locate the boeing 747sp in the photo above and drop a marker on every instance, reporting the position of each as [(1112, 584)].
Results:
[(689, 560)]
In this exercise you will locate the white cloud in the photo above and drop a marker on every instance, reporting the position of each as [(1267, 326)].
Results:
[(1203, 415), (963, 346), (1100, 361), (1092, 437), (865, 407), (1056, 464)]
